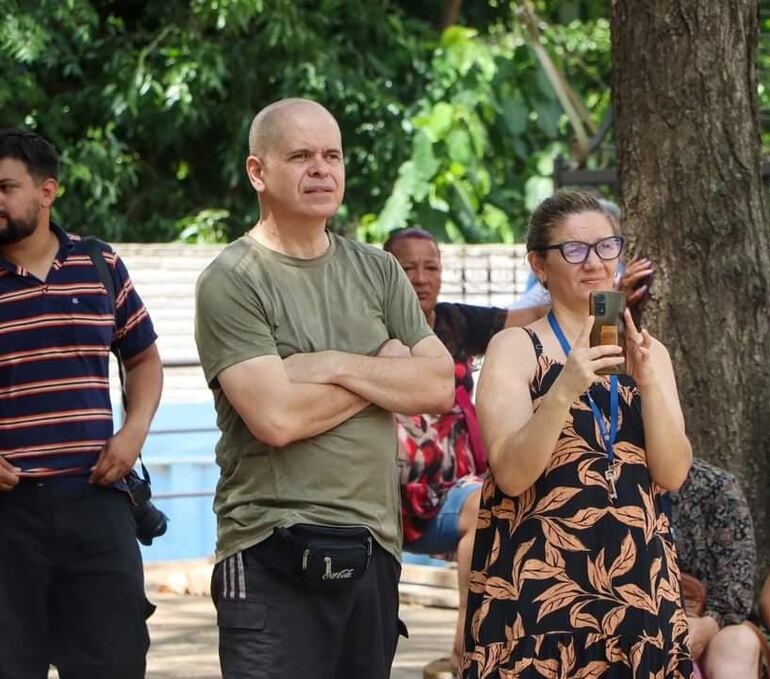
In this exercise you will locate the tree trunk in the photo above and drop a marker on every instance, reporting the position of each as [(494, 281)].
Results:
[(687, 136), (451, 13)]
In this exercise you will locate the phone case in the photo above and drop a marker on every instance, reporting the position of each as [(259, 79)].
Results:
[(607, 307)]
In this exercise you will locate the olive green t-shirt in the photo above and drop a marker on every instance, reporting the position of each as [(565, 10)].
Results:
[(252, 301)]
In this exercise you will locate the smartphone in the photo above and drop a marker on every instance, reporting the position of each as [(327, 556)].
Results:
[(607, 307)]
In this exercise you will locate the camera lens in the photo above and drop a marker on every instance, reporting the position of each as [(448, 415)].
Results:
[(601, 308), (151, 522)]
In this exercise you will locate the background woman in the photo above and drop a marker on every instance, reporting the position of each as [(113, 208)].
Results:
[(442, 456), (574, 572), (714, 538)]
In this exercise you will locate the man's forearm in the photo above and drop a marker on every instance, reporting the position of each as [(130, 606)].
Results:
[(401, 385), (280, 406), (311, 409), (143, 385)]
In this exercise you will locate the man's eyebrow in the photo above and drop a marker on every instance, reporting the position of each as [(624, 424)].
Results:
[(304, 149)]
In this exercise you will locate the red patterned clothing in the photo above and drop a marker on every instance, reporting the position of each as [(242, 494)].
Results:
[(435, 451)]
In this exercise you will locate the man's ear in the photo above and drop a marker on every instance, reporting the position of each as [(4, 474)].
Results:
[(255, 170), (48, 190)]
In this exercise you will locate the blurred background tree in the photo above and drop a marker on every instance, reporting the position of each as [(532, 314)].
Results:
[(454, 127)]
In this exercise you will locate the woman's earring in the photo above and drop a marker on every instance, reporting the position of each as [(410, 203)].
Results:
[(544, 283)]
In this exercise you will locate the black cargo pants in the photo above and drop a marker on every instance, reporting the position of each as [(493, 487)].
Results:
[(71, 583)]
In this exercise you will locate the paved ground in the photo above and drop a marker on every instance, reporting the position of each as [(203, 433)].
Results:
[(185, 641), (184, 634)]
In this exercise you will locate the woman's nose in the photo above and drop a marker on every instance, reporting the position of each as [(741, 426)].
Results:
[(593, 259)]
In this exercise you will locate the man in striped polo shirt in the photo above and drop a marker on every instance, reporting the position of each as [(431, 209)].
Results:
[(71, 582)]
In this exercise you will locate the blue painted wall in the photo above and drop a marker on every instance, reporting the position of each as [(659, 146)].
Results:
[(179, 454)]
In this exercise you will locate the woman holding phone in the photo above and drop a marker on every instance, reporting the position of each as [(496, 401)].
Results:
[(574, 572)]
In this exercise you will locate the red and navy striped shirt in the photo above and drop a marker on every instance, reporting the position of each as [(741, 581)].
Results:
[(55, 340)]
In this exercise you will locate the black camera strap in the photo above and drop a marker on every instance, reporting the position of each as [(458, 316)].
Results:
[(91, 246)]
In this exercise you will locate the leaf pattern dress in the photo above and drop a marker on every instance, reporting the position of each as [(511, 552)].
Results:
[(566, 583)]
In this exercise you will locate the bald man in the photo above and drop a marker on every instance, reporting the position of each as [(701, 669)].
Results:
[(310, 342)]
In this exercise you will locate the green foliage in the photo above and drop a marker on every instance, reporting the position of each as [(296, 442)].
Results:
[(207, 226), (486, 131), (150, 104)]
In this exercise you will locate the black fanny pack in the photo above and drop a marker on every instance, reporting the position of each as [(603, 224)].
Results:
[(320, 556)]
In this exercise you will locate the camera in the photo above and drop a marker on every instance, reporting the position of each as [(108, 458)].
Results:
[(151, 522)]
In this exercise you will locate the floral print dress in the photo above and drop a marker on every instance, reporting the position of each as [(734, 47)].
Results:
[(566, 583)]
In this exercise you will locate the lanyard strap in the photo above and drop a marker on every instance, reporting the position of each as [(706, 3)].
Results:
[(607, 436)]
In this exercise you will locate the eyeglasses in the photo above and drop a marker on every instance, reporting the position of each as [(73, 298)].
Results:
[(576, 251)]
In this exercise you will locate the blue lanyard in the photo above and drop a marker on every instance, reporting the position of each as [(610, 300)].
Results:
[(607, 437)]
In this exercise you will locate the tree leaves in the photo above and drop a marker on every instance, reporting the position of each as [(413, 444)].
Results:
[(515, 116), (178, 83), (492, 115)]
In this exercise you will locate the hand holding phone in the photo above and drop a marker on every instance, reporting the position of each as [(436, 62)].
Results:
[(608, 309)]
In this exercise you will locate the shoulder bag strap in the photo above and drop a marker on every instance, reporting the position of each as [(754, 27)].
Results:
[(94, 251)]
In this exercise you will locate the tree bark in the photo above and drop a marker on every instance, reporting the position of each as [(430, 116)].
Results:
[(687, 136), (451, 13)]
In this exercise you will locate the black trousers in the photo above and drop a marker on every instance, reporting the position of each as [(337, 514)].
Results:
[(270, 628), (71, 584)]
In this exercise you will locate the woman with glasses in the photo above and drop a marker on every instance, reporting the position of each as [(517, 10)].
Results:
[(632, 278), (574, 571)]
